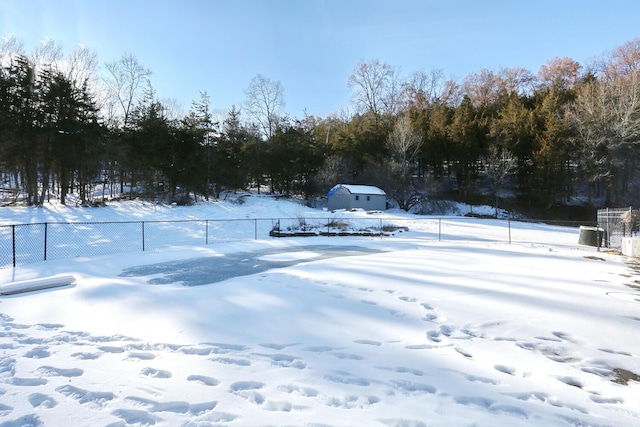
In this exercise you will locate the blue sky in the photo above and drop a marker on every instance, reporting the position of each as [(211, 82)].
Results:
[(312, 46)]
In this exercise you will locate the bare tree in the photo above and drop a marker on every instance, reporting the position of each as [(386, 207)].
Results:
[(624, 60), (482, 87), (126, 81), (404, 144), (10, 46), (498, 165), (606, 120), (560, 72), (422, 89), (47, 52), (81, 66), (265, 103), (516, 80), (375, 87)]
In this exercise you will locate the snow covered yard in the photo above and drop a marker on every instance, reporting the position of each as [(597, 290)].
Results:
[(324, 331)]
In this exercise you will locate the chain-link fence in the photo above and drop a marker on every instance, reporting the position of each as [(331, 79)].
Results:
[(28, 243), (618, 223)]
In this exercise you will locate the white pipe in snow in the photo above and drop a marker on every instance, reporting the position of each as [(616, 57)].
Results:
[(36, 284)]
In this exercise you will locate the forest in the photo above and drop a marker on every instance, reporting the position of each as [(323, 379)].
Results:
[(567, 134)]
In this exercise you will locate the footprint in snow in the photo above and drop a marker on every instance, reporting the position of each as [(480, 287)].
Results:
[(247, 391), (208, 381), (50, 371), (140, 356), (5, 410), (231, 361), (342, 377), (300, 391), (135, 417), (39, 352), (178, 407), (85, 356), (96, 398), (155, 373), (368, 342), (414, 388), (434, 336), (505, 369), (42, 401)]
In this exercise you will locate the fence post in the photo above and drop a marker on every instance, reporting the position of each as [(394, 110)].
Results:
[(509, 225), (142, 236), (45, 240), (439, 229), (206, 230), (255, 229), (13, 240)]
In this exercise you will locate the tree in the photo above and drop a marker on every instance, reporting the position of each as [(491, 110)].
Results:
[(204, 130), (423, 89), (292, 159), (265, 103), (233, 138), (126, 81), (46, 53), (606, 120), (560, 73), (498, 165), (404, 144), (467, 133), (513, 129), (81, 66), (375, 88)]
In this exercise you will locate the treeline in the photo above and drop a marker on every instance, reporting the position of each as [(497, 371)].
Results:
[(567, 134)]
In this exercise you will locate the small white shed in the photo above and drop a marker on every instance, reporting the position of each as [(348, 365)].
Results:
[(347, 196)]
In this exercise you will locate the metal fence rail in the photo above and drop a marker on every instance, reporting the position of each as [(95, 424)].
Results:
[(28, 243)]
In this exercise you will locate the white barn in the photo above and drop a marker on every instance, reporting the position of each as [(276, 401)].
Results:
[(347, 196)]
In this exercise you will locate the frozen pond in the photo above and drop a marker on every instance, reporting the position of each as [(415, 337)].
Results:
[(207, 270)]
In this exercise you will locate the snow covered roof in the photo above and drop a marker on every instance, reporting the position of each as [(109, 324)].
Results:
[(358, 189)]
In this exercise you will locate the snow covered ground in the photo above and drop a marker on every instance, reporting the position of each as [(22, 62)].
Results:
[(323, 331)]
